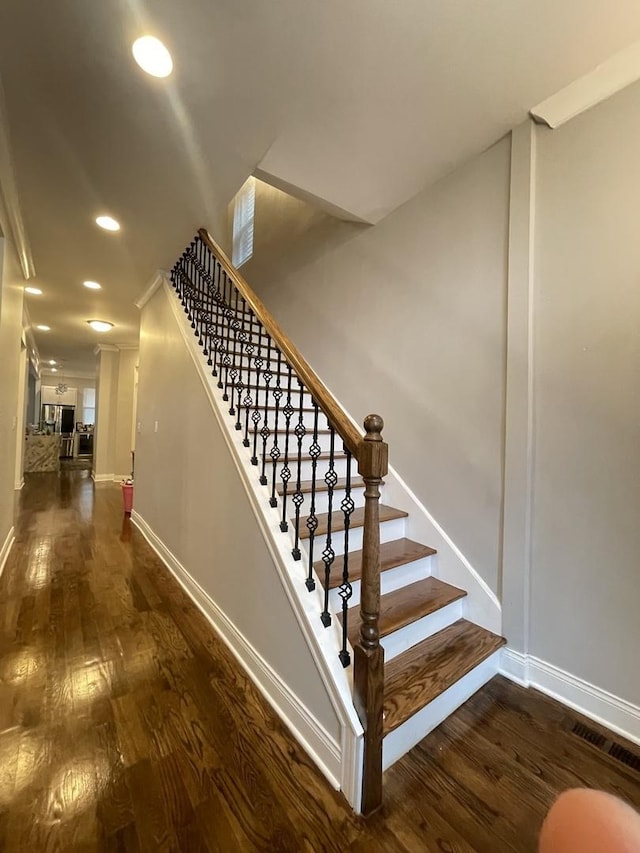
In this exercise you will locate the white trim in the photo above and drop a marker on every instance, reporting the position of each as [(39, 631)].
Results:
[(19, 485), (10, 197), (611, 711), (6, 548), (118, 478), (608, 77), (302, 724), (156, 280), (102, 478), (520, 400), (105, 348)]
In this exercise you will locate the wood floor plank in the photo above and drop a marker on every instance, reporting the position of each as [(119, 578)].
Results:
[(127, 725)]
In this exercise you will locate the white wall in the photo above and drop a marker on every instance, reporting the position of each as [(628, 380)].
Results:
[(11, 296), (190, 494), (115, 412), (407, 319), (585, 583)]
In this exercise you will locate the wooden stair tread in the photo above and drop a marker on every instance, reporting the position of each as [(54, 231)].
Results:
[(293, 460), (387, 513), (399, 552), (423, 672), (321, 486), (406, 605)]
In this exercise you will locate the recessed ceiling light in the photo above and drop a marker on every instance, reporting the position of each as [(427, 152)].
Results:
[(34, 291), (54, 369), (92, 285), (51, 361), (44, 328), (108, 223), (152, 56), (100, 325)]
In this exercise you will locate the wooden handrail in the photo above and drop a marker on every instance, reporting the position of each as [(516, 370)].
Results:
[(350, 435), (371, 453)]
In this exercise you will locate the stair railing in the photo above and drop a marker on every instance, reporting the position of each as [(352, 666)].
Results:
[(279, 404)]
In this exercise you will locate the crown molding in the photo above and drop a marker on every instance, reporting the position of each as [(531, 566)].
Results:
[(616, 73), (10, 210), (105, 348), (156, 280)]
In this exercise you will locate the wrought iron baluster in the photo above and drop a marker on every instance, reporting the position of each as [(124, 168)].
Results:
[(193, 287), (312, 519), (248, 399), (242, 336), (345, 591), (233, 371), (217, 339), (207, 259), (227, 315), (285, 473), (255, 417), (265, 432), (329, 555), (298, 496), (275, 449)]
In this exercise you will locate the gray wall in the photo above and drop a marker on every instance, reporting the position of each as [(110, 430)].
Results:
[(11, 295), (190, 493), (585, 583), (407, 319)]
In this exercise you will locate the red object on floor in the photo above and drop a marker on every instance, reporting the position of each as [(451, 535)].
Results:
[(127, 497)]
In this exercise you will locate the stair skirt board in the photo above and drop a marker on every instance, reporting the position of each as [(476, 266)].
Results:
[(417, 727), (323, 643), (310, 734), (6, 548)]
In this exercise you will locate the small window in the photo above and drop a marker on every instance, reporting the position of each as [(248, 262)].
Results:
[(243, 216), (89, 406)]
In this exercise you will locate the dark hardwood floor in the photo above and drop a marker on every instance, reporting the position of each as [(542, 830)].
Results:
[(126, 725)]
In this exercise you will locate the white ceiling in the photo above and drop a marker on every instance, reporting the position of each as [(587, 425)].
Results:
[(359, 103)]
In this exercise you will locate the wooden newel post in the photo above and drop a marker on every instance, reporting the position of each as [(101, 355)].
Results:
[(368, 674)]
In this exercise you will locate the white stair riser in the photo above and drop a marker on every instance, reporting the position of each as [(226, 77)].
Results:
[(402, 639), (389, 581), (306, 469), (322, 501), (417, 727)]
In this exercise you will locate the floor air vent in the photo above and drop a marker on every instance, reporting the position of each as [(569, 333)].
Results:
[(615, 750)]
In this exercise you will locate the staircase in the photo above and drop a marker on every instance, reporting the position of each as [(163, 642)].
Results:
[(414, 655)]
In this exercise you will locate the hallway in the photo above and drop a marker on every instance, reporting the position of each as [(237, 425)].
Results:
[(125, 724)]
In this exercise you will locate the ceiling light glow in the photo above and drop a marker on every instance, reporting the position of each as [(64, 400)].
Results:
[(108, 223), (152, 56), (100, 325), (54, 369), (34, 291), (44, 328), (51, 361), (92, 285)]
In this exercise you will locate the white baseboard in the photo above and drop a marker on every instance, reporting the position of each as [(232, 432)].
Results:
[(312, 736), (101, 478), (611, 711), (6, 548), (19, 485)]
